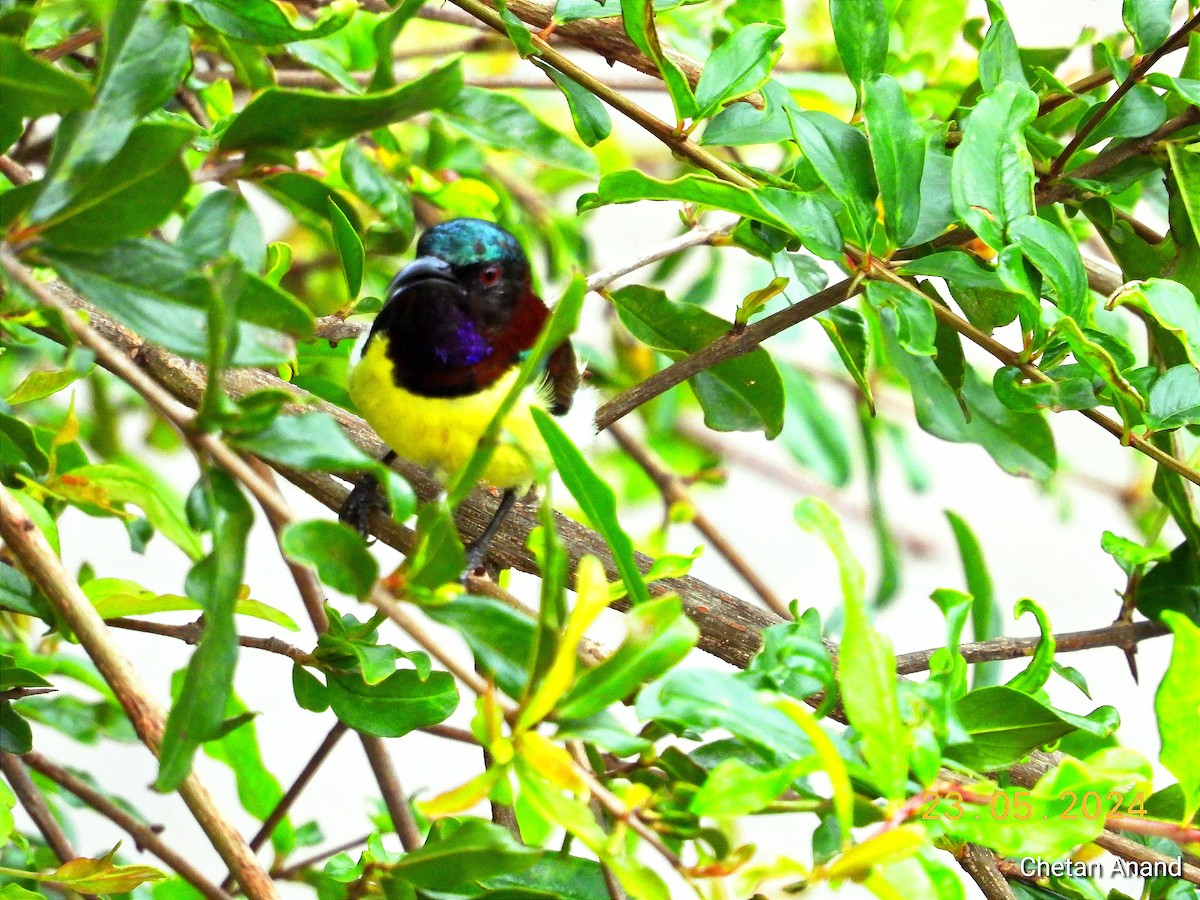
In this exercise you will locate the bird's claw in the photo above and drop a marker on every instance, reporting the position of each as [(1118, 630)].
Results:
[(363, 500)]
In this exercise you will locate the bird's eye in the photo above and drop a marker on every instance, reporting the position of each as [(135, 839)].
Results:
[(489, 276)]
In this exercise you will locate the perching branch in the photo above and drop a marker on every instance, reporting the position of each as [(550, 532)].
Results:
[(35, 807)]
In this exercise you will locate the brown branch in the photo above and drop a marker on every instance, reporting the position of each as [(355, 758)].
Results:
[(45, 569), (70, 44), (1119, 634), (730, 627), (316, 859), (1058, 189), (980, 863), (1139, 70), (674, 491), (144, 836), (394, 797), (733, 343), (192, 632), (35, 806), (14, 171)]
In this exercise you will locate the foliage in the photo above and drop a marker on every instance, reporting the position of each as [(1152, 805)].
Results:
[(226, 188)]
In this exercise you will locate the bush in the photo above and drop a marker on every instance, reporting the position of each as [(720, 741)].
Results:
[(206, 201)]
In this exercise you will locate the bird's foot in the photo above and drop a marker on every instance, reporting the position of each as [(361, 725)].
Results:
[(363, 500)]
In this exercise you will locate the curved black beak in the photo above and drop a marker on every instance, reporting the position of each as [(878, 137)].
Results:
[(421, 270)]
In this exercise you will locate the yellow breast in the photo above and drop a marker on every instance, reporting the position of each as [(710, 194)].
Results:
[(441, 433)]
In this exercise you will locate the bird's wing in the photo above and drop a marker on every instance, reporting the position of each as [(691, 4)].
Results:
[(562, 374)]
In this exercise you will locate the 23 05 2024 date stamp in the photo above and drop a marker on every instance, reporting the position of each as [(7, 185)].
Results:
[(1020, 806)]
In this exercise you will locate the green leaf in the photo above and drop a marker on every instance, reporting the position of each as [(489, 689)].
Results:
[(15, 734), (100, 876), (400, 703), (1056, 255), (1175, 399), (285, 119), (793, 660), (146, 54), (371, 182), (1037, 673), (131, 193), (462, 852), (264, 21), (740, 394), (124, 484), (847, 331), (1020, 442), (117, 597), (16, 591), (841, 157), (349, 249), (992, 174), (38, 385), (1177, 707), (597, 500), (985, 614), (505, 123), (339, 554), (916, 324), (590, 116), (259, 792), (860, 30), (638, 19), (703, 699), (214, 582), (1071, 391), (734, 788), (221, 223), (999, 56), (1138, 113), (14, 676), (898, 151), (659, 636), (34, 88), (313, 441), (1005, 725), (156, 290), (793, 212), (438, 555), (500, 637), (741, 65), (1171, 305), (814, 438), (866, 664)]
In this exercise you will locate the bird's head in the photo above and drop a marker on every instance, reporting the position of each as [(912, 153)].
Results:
[(477, 265), (461, 313)]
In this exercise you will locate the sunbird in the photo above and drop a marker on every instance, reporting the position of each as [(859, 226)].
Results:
[(444, 351)]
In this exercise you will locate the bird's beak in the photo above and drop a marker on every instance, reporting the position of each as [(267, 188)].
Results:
[(421, 270)]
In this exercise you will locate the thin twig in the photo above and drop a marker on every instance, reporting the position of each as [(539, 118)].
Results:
[(44, 568), (980, 863), (35, 806), (394, 797), (1119, 634), (674, 491), (70, 44), (294, 869), (1139, 70), (144, 836), (193, 631), (733, 343), (14, 171)]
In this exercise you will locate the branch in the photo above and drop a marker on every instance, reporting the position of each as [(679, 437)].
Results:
[(144, 836), (1119, 634), (45, 569), (980, 863), (1011, 358), (1139, 70), (674, 491), (730, 627), (192, 632), (668, 134), (35, 806), (733, 343), (393, 794)]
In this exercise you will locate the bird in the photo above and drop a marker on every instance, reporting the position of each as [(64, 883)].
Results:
[(445, 349)]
